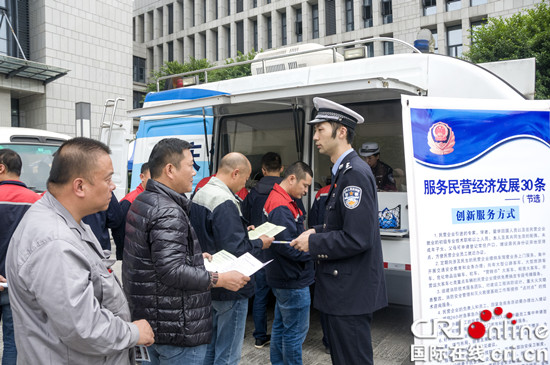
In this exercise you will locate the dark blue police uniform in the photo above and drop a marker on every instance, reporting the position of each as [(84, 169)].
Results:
[(350, 282)]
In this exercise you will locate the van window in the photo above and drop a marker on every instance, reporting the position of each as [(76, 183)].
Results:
[(383, 125), (37, 161), (256, 134)]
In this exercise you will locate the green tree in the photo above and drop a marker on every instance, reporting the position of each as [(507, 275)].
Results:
[(522, 35), (174, 68)]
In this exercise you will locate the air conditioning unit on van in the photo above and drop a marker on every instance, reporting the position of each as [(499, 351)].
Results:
[(287, 61)]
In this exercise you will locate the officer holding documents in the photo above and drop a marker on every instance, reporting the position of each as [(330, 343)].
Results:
[(349, 277)]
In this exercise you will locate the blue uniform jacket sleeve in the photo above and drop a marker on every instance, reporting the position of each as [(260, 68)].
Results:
[(282, 216), (170, 247), (115, 216), (230, 232), (348, 231)]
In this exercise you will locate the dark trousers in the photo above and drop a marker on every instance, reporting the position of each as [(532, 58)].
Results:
[(350, 339)]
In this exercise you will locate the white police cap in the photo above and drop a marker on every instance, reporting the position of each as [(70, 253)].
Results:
[(369, 149), (329, 111)]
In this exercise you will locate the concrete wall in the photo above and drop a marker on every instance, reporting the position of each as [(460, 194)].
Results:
[(91, 38)]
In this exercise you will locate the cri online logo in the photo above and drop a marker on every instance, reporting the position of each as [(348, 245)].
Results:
[(477, 329), (505, 330)]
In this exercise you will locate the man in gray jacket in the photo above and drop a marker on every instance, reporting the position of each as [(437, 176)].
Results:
[(68, 306)]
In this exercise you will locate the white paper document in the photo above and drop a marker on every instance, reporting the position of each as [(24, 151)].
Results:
[(223, 261), (269, 229)]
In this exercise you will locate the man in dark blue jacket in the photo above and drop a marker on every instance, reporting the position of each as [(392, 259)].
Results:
[(253, 207), (349, 278), (15, 200), (291, 272), (216, 217)]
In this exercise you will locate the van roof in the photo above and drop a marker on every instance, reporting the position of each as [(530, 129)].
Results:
[(31, 136)]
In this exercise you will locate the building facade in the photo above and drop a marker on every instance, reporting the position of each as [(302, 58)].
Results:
[(174, 30), (71, 52)]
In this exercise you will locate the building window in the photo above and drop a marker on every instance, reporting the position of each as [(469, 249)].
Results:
[(204, 11), (192, 13), (369, 48), (239, 6), (388, 48), (349, 15), (254, 3), (477, 2), (18, 14), (330, 17), (367, 13), (15, 122), (228, 7), (217, 45), (170, 19), (298, 25), (387, 12), (139, 69), (475, 25), (453, 5), (255, 30), (434, 34), (429, 7), (216, 11), (228, 39), (454, 41), (170, 51), (269, 1), (283, 28), (269, 34), (315, 21), (240, 36), (138, 99)]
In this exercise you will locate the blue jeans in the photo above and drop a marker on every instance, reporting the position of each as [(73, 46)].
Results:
[(290, 325), (229, 319), (259, 308), (10, 352), (172, 355)]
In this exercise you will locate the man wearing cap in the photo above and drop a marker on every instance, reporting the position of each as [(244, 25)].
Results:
[(349, 278), (383, 173)]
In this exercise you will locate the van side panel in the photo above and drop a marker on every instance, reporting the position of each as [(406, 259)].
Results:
[(187, 127)]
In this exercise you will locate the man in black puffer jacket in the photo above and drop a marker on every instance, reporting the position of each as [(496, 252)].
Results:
[(163, 267)]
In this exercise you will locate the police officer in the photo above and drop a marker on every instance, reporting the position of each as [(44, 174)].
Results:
[(349, 277), (383, 173)]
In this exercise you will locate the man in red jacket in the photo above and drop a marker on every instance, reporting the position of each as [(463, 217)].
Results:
[(15, 200)]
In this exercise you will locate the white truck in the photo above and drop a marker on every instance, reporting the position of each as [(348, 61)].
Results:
[(269, 110)]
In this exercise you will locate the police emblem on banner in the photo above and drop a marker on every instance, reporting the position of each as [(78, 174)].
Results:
[(352, 196), (441, 139)]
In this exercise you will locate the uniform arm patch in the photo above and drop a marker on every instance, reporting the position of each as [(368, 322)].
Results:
[(352, 196)]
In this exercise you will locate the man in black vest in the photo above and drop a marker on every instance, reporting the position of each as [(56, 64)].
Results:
[(349, 279)]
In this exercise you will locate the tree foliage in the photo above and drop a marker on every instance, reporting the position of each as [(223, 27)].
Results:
[(174, 68), (522, 35)]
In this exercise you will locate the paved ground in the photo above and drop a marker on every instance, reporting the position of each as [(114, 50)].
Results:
[(391, 337)]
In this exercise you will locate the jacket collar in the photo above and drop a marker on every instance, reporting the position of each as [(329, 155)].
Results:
[(82, 230), (221, 185), (180, 199), (13, 182)]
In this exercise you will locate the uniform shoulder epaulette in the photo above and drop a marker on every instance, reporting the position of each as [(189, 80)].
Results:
[(347, 167)]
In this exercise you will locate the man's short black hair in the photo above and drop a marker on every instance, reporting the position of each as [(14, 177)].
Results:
[(349, 136), (144, 168), (11, 160), (76, 158), (298, 169), (167, 150), (271, 161)]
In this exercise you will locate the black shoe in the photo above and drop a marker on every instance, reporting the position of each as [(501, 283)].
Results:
[(261, 343)]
